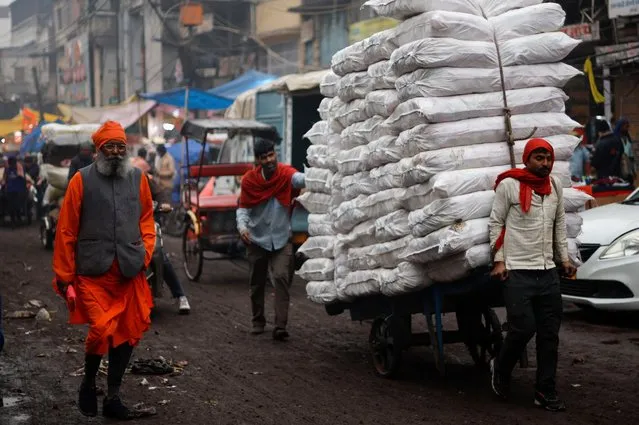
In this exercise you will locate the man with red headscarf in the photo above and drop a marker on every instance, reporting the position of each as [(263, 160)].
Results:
[(104, 241), (264, 223), (528, 234)]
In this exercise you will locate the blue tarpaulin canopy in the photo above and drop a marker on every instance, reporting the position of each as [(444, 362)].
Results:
[(32, 143), (198, 99), (249, 80), (177, 151)]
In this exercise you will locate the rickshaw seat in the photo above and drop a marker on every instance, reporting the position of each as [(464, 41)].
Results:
[(220, 170), (215, 202)]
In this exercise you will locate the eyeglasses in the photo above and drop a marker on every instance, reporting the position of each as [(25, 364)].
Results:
[(112, 147)]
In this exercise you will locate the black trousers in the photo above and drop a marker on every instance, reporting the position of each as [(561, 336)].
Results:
[(534, 306)]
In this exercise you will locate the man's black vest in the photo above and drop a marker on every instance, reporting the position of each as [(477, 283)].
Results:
[(110, 224)]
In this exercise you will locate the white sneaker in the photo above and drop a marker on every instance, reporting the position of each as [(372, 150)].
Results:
[(184, 307)]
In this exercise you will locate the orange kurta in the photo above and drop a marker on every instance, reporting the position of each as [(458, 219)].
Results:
[(117, 309)]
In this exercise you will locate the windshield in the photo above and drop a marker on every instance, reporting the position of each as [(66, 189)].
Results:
[(633, 198)]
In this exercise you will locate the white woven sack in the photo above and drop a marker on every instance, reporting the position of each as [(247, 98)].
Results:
[(320, 225), (392, 226), (355, 86), (428, 137), (362, 235), (381, 102), (362, 283), (363, 208), (317, 269), (383, 151), (449, 52), (401, 9), (318, 247), (573, 224), (328, 85), (459, 266), (382, 255), (448, 81), (358, 184), (318, 134), (318, 180), (315, 203), (427, 164), (575, 200), (444, 212), (461, 182), (406, 278), (324, 292), (447, 241), (393, 175), (359, 56), (360, 133), (382, 75), (425, 110)]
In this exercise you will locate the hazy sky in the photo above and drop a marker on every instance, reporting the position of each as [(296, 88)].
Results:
[(5, 2)]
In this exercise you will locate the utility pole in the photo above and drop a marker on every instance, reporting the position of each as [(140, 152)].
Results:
[(36, 81)]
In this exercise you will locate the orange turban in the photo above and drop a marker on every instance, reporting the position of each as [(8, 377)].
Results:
[(109, 131)]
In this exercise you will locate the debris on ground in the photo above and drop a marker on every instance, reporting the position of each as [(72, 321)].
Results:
[(159, 366), (141, 411), (575, 385), (20, 314), (43, 315), (578, 360), (35, 304), (144, 382), (164, 402)]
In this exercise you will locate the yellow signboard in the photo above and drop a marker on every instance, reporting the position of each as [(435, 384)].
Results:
[(364, 29)]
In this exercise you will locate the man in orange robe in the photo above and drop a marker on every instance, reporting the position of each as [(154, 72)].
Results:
[(104, 242)]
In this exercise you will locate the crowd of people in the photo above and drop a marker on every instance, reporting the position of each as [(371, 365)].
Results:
[(610, 154)]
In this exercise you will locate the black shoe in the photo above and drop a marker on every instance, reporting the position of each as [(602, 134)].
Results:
[(499, 385), (550, 402), (114, 409), (88, 401), (280, 334)]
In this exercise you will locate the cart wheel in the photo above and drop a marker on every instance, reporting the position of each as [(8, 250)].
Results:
[(192, 251), (483, 333), (387, 355)]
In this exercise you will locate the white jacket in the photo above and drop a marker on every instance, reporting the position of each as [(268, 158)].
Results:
[(529, 243)]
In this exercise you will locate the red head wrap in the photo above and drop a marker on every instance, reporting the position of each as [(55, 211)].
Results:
[(110, 131)]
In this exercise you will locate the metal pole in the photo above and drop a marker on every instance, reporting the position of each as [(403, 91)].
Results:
[(607, 94)]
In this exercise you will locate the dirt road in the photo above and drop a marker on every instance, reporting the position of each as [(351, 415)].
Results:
[(323, 375)]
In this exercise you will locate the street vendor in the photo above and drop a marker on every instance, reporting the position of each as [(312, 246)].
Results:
[(264, 224), (528, 233), (104, 242)]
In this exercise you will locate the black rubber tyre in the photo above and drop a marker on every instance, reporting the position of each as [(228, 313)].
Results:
[(387, 356), (192, 253)]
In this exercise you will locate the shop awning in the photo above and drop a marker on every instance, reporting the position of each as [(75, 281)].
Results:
[(249, 80), (198, 99), (126, 114), (11, 126)]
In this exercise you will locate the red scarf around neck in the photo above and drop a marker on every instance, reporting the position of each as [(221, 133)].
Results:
[(256, 189), (528, 182)]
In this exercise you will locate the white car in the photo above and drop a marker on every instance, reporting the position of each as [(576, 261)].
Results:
[(609, 248)]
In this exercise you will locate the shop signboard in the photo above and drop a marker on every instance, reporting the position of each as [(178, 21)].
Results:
[(73, 73), (585, 32), (617, 8)]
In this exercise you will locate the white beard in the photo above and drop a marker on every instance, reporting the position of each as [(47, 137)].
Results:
[(113, 168)]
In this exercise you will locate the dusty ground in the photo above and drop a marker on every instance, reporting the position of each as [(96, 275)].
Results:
[(322, 376)]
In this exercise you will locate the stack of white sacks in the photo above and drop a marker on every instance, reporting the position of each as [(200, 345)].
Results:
[(422, 137)]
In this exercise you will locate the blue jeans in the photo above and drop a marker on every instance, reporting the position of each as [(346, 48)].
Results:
[(171, 279)]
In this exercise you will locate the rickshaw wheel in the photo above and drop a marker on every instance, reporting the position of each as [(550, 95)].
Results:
[(192, 252), (484, 336), (387, 355)]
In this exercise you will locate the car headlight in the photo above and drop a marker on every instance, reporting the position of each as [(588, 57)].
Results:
[(625, 246)]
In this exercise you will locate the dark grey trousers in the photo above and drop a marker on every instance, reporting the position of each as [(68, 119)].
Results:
[(278, 266), (533, 303)]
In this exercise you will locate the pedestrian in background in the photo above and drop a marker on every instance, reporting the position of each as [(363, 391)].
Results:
[(104, 242), (608, 152), (622, 131), (164, 170), (264, 224), (527, 233)]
